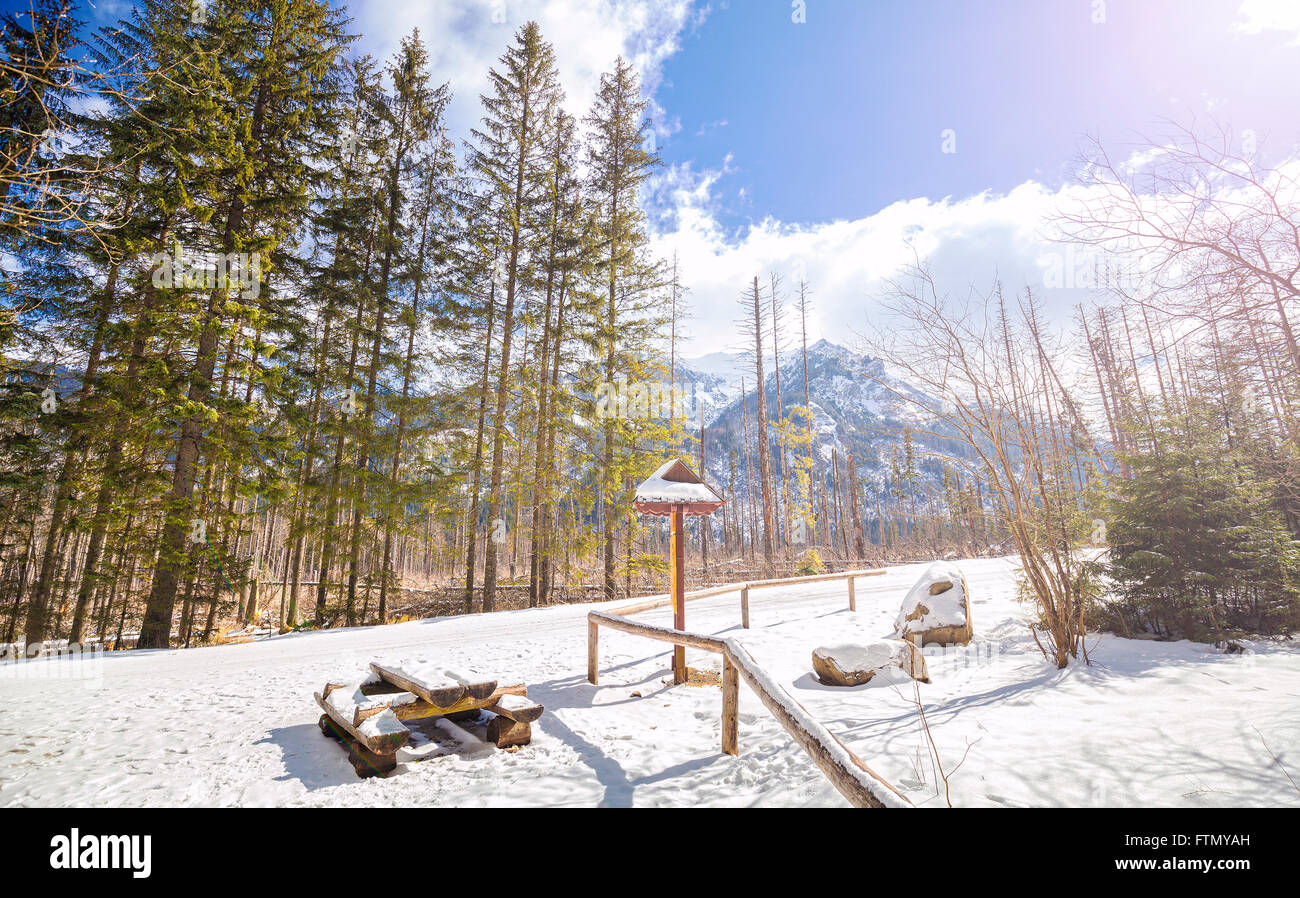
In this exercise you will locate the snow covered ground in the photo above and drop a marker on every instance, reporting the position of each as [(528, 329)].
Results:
[(1168, 724)]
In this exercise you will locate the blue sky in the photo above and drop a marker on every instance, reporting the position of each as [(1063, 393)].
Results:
[(842, 115), (816, 149)]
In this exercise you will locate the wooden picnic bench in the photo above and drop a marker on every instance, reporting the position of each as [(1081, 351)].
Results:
[(368, 716)]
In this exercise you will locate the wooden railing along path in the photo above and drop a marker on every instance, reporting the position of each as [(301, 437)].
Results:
[(648, 603), (857, 782)]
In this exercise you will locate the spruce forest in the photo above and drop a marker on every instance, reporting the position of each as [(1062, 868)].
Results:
[(279, 350)]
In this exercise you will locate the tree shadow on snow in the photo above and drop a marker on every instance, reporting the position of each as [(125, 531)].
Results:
[(619, 788), (575, 692)]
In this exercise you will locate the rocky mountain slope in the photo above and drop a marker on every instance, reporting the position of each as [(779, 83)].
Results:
[(855, 401)]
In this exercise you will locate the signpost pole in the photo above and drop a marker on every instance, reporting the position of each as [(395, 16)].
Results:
[(676, 491), (678, 572)]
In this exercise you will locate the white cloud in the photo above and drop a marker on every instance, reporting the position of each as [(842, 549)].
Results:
[(1257, 16), (968, 243), (465, 39)]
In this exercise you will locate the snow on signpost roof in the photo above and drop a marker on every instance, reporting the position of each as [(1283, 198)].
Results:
[(675, 484)]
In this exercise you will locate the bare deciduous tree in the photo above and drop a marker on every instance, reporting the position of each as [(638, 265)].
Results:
[(991, 382)]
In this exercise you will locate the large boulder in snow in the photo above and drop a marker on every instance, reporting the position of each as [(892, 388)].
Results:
[(853, 665), (937, 608)]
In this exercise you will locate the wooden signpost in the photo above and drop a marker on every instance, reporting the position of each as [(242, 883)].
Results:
[(675, 491)]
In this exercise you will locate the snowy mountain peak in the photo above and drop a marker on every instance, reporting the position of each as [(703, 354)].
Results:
[(833, 350), (855, 404)]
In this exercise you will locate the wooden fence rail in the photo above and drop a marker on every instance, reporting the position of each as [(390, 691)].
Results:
[(649, 603), (857, 782)]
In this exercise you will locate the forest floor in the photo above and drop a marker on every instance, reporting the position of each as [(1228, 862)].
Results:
[(1148, 723)]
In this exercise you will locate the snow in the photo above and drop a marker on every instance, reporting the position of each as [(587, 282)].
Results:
[(469, 678), (511, 702), (349, 698), (811, 724), (730, 365), (867, 656), (656, 488), (424, 674), (1148, 723), (947, 609)]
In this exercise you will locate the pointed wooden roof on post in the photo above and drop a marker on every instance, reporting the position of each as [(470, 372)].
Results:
[(675, 487), (675, 491)]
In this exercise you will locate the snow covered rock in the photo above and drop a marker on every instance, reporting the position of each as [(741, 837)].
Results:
[(937, 607), (853, 665)]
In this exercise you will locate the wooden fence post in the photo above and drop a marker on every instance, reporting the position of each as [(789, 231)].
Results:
[(593, 641), (744, 606), (853, 598), (730, 707)]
